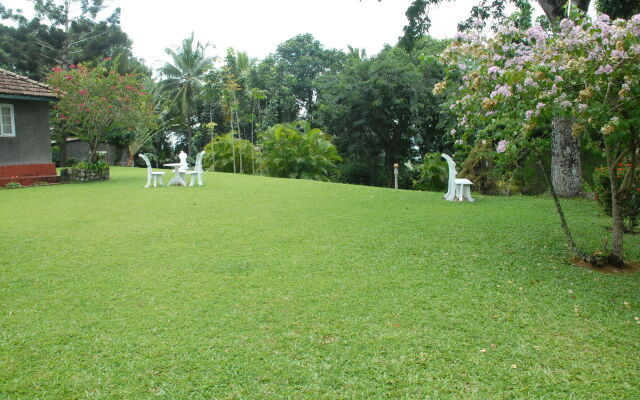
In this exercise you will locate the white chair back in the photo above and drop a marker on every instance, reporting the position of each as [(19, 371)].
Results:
[(451, 186), (146, 160), (198, 166)]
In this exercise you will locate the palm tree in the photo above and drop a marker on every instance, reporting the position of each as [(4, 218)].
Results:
[(183, 78)]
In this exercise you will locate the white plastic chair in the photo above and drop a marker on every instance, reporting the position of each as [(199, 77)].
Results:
[(197, 170), (458, 189), (152, 174)]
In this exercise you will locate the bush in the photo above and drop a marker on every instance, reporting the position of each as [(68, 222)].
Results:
[(629, 200), (13, 185), (219, 155), (99, 167), (480, 168), (295, 150), (433, 174)]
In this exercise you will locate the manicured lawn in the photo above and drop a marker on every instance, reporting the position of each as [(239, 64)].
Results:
[(252, 288)]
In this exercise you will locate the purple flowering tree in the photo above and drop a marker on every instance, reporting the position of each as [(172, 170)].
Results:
[(585, 76)]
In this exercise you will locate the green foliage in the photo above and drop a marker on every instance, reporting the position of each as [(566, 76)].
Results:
[(219, 155), (98, 167), (618, 8), (382, 112), (433, 173), (305, 60), (297, 151), (479, 167), (629, 199), (12, 185), (60, 34), (182, 79)]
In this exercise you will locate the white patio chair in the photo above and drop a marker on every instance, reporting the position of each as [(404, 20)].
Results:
[(458, 189), (152, 174), (197, 170)]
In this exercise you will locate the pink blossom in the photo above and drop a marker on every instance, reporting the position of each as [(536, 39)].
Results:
[(63, 117), (503, 90), (83, 92), (72, 66), (494, 70), (604, 69), (502, 146)]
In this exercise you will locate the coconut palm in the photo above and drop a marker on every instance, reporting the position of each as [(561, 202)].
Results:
[(183, 77)]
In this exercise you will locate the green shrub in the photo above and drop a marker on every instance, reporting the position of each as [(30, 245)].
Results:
[(629, 200), (480, 168), (219, 155), (433, 174), (295, 150), (13, 185), (99, 167)]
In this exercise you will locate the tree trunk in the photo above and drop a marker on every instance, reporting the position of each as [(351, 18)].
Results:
[(63, 152), (130, 160), (566, 166), (617, 229)]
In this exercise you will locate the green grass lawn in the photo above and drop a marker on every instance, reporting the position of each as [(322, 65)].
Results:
[(260, 288)]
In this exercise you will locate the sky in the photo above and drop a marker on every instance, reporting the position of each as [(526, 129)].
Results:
[(258, 26)]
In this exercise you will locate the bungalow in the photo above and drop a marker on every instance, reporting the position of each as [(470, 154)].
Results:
[(25, 142)]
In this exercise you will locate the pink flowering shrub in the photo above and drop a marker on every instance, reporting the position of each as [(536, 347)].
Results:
[(514, 84), (94, 102)]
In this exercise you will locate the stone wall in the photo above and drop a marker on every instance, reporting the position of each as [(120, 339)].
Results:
[(83, 175)]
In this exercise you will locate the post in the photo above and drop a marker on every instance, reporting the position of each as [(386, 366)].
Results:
[(395, 175)]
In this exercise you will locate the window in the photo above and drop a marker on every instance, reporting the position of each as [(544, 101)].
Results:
[(7, 120)]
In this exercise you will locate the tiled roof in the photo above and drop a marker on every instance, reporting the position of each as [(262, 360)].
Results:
[(18, 85)]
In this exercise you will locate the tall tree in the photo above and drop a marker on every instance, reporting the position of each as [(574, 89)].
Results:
[(379, 110), (304, 58), (75, 19), (183, 79)]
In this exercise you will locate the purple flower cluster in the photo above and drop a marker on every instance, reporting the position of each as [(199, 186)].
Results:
[(604, 69), (502, 146), (503, 90)]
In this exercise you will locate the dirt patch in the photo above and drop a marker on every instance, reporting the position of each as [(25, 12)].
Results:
[(629, 267)]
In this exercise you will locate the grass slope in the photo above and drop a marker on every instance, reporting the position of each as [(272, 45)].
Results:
[(252, 288)]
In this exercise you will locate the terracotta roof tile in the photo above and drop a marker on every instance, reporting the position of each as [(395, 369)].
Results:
[(14, 84)]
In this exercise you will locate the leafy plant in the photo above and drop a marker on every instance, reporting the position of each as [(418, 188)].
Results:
[(13, 185), (295, 150), (222, 150), (433, 173), (98, 167)]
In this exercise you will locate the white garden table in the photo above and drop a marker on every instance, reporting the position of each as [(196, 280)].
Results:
[(179, 169)]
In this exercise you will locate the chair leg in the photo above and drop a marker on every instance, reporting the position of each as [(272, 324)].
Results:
[(161, 181), (148, 181), (193, 181), (200, 179)]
